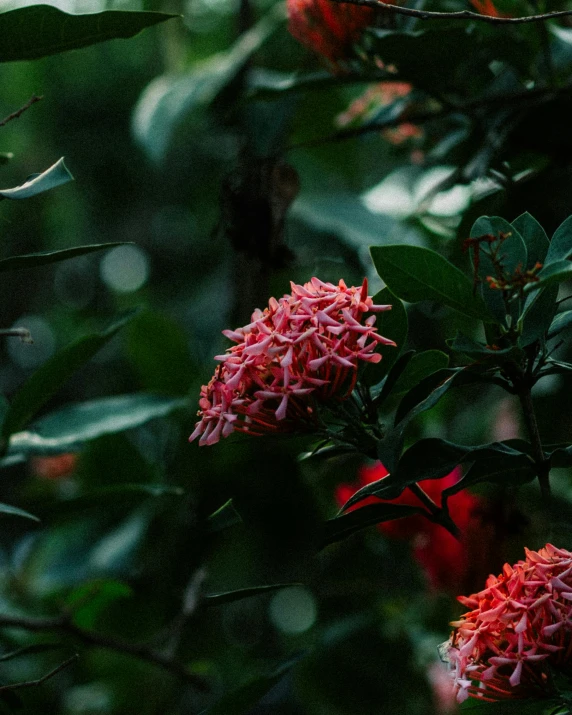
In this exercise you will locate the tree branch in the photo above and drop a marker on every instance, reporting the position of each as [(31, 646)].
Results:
[(461, 15), (63, 624), (539, 94), (40, 681), (19, 112)]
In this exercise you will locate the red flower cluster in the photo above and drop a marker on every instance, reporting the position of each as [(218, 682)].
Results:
[(444, 559), (327, 27), (302, 349), (517, 628)]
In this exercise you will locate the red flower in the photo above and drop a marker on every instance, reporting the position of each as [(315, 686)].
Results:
[(519, 630), (487, 7), (327, 27), (444, 559)]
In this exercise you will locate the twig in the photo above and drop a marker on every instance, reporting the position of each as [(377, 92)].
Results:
[(540, 94), (461, 15), (40, 681), (138, 650), (19, 112)]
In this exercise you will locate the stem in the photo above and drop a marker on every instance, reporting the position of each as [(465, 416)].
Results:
[(542, 464), (138, 650), (439, 515), (42, 680), (461, 15)]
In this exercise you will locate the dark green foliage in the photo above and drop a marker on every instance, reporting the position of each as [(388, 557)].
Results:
[(40, 30)]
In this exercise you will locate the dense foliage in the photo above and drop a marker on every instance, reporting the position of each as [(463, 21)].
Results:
[(362, 451)]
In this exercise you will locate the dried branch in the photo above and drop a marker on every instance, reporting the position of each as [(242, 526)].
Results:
[(63, 624), (19, 112), (42, 680), (461, 15)]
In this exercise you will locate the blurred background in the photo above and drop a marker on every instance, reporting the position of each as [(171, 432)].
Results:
[(188, 142)]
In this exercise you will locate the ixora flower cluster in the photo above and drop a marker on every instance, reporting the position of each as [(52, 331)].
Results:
[(303, 349), (327, 27), (518, 630)]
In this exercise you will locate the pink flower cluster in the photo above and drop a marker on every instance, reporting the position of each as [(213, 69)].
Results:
[(518, 628), (303, 348)]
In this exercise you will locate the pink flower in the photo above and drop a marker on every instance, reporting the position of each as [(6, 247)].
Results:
[(301, 350), (518, 629)]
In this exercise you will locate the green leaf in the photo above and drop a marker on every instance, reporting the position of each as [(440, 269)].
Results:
[(391, 324), (473, 349), (551, 273), (383, 389), (511, 471), (168, 99), (512, 254), (264, 83), (14, 511), (347, 524), (42, 30), (31, 260), (560, 456), (244, 698), (344, 215), (223, 518), (121, 495), (537, 316), (435, 458), (422, 397), (438, 47), (159, 349), (56, 175), (48, 379), (528, 706), (88, 600), (534, 237), (561, 243), (217, 599), (561, 322), (421, 366), (414, 274), (30, 650), (69, 428)]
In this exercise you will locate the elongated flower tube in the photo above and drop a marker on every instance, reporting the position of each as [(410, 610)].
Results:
[(302, 350), (518, 630)]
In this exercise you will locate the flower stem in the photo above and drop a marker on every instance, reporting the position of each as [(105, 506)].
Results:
[(542, 465)]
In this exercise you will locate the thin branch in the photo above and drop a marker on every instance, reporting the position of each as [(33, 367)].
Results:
[(141, 651), (18, 113), (461, 15), (42, 680), (537, 95)]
